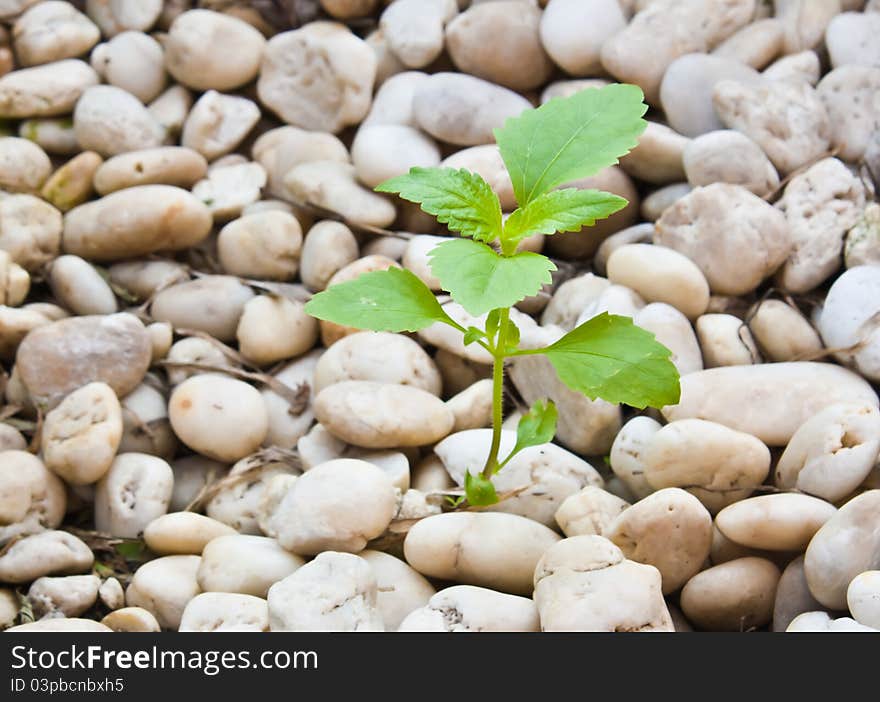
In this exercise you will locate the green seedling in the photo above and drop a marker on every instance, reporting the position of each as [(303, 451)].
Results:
[(607, 357)]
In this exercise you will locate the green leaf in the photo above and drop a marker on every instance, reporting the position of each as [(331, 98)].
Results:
[(610, 358), (511, 338), (560, 211), (391, 300), (570, 138), (461, 200), (493, 324), (536, 427), (480, 280), (479, 490), (472, 335)]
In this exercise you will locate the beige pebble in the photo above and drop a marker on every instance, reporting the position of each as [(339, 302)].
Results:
[(670, 530), (734, 596), (81, 435), (781, 522)]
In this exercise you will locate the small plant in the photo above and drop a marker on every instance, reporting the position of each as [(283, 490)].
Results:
[(607, 357)]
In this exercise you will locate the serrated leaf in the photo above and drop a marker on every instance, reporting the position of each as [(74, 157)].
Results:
[(461, 200), (610, 358), (479, 490), (480, 280), (570, 138), (560, 211), (536, 427), (394, 300)]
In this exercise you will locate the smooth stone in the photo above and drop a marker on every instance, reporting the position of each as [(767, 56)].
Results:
[(846, 545), (793, 596), (660, 274), (822, 622), (46, 553), (734, 596), (60, 357), (400, 588), (655, 204), (658, 158), (573, 32), (727, 156), (333, 186), (413, 29), (670, 530), (67, 596), (111, 121), (80, 437), (500, 42), (212, 304), (717, 464), (846, 321), (182, 533), (164, 587), (219, 417), (339, 505), (782, 332), (627, 454), (755, 45), (851, 38), (489, 549), (863, 598), (67, 626), (832, 452), (45, 91), (132, 619), (781, 522), (465, 608), (246, 564), (590, 511), (462, 109), (225, 611), (135, 491), (135, 222), (686, 90), (32, 498), (672, 329), (769, 401), (198, 40), (379, 415), (725, 340), (380, 357)]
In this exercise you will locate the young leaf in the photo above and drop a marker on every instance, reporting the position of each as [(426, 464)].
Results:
[(461, 200), (479, 490), (493, 324), (570, 138), (392, 300), (480, 280), (537, 426), (611, 358), (511, 338), (472, 335), (560, 211)]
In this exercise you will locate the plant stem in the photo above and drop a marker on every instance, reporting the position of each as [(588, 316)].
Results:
[(498, 352)]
